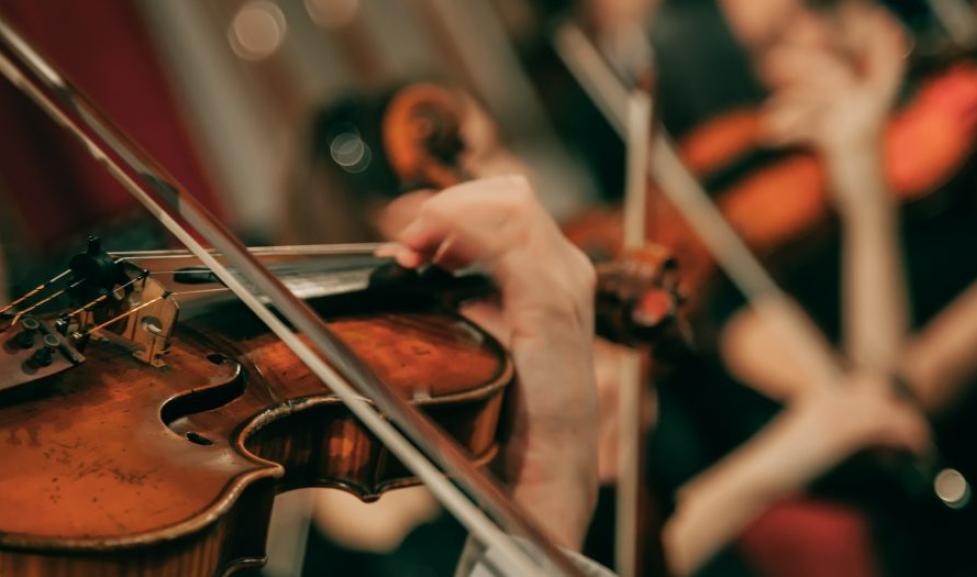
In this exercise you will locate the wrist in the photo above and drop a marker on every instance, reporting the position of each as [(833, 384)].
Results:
[(558, 486), (550, 459), (857, 175), (865, 220), (807, 447)]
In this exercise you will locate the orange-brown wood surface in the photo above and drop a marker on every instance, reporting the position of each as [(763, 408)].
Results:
[(118, 468)]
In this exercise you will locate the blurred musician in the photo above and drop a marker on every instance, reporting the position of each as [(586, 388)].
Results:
[(826, 79)]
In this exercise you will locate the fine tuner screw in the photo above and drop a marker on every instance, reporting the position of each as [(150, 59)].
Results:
[(44, 356), (25, 338)]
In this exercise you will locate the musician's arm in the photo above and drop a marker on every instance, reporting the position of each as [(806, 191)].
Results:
[(756, 349), (874, 305), (940, 360), (826, 102), (546, 320), (810, 437), (814, 434), (477, 562), (875, 308)]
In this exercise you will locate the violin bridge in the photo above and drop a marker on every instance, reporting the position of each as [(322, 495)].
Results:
[(152, 321), (145, 322)]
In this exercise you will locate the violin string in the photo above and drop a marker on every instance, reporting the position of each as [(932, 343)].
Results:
[(102, 297), (50, 298), (282, 270), (40, 303), (44, 285), (138, 308), (130, 312), (471, 496), (199, 291), (221, 289), (86, 306), (178, 271)]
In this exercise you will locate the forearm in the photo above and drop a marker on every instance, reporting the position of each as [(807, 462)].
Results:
[(776, 349), (714, 507), (477, 562), (940, 359), (545, 317), (554, 477), (874, 294), (813, 435)]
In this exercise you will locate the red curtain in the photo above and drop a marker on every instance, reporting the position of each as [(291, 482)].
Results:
[(102, 46)]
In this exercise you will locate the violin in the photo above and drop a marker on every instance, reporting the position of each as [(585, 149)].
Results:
[(774, 198), (159, 442), (140, 444), (138, 441)]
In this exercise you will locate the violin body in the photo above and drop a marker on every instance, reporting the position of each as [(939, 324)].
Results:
[(119, 468)]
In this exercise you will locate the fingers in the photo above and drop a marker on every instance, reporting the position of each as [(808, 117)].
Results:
[(476, 221), (878, 42), (832, 94), (401, 212), (793, 117), (450, 228), (901, 424), (882, 418), (498, 225), (817, 68), (812, 82)]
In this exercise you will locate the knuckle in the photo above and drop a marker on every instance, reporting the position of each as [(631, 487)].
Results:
[(521, 197), (520, 184), (434, 211)]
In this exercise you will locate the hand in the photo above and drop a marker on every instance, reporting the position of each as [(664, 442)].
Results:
[(547, 293), (608, 15), (863, 412), (814, 434), (837, 92)]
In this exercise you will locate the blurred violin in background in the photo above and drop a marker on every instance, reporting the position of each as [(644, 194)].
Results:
[(784, 197), (775, 198)]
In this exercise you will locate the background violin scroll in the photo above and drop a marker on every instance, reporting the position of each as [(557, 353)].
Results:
[(422, 136)]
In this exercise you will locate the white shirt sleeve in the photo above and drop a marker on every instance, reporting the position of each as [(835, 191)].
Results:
[(479, 564)]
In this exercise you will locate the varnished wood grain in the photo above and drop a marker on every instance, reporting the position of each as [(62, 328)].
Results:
[(93, 482)]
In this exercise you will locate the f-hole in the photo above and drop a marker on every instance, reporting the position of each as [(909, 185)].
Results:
[(202, 400)]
